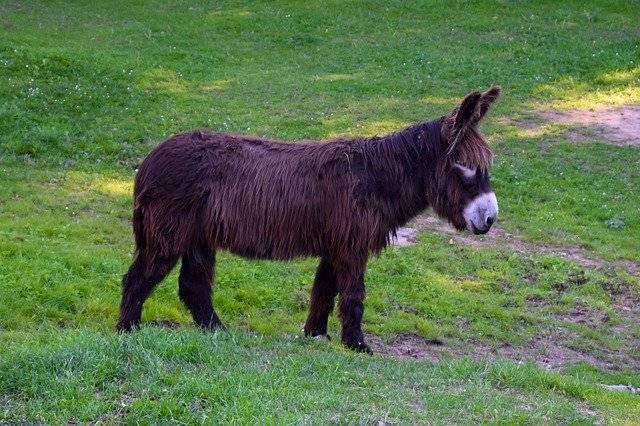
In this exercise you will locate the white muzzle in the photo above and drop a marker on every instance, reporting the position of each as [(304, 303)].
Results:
[(481, 212)]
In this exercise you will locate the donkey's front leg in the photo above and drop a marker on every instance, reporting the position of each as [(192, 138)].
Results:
[(350, 283)]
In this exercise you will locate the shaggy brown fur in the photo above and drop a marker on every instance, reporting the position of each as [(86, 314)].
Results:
[(199, 192)]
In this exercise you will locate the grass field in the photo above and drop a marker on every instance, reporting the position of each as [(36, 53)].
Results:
[(88, 88)]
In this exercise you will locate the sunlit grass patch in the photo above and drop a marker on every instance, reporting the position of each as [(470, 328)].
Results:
[(163, 80), (115, 187)]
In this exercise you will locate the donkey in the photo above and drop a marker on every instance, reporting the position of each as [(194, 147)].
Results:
[(340, 200)]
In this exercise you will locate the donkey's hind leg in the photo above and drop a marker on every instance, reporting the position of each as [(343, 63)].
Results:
[(143, 275), (196, 276), (323, 294)]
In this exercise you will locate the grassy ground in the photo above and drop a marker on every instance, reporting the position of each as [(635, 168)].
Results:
[(188, 376), (86, 90)]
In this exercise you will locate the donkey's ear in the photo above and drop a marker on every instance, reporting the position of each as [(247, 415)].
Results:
[(467, 110), (487, 98)]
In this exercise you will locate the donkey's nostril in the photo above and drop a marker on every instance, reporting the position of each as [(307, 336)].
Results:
[(490, 220)]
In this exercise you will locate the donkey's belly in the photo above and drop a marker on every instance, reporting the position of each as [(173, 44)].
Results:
[(281, 244), (271, 252)]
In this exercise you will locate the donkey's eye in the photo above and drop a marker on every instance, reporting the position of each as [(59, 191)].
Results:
[(466, 173)]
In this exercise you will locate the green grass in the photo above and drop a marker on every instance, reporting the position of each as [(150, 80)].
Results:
[(188, 376), (86, 91)]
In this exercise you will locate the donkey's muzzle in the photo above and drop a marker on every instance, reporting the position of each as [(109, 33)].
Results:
[(481, 212), (480, 231)]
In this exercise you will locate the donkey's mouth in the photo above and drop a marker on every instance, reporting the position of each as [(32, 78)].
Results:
[(478, 231)]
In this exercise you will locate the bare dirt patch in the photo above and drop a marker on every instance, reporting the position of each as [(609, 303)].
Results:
[(407, 346), (583, 316), (614, 125), (500, 237), (548, 351), (405, 237)]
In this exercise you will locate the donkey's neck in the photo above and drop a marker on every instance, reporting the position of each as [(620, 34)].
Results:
[(400, 166)]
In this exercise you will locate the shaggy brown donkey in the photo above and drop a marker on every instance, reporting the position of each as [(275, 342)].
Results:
[(199, 192)]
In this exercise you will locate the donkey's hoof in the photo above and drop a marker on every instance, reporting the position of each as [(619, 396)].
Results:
[(359, 346), (218, 326), (312, 331), (322, 337), (127, 327)]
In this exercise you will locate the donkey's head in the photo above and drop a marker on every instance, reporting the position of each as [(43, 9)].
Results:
[(464, 195)]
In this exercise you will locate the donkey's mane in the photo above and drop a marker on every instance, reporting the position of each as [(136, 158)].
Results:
[(397, 153), (425, 141)]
